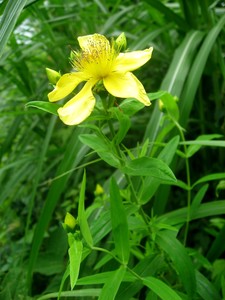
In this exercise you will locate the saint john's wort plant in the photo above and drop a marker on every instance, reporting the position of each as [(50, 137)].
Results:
[(133, 236)]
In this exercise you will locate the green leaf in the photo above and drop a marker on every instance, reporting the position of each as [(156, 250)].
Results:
[(148, 166), (205, 288), (90, 293), (170, 104), (131, 106), (63, 280), (198, 198), (169, 14), (148, 266), (160, 289), (8, 20), (45, 106), (182, 262), (216, 176), (192, 149), (75, 255), (217, 247), (74, 153), (111, 286), (102, 146), (124, 124), (175, 78), (84, 227), (179, 216), (150, 185), (119, 224), (196, 71)]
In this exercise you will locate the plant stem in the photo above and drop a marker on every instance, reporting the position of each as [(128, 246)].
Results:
[(134, 198), (189, 187)]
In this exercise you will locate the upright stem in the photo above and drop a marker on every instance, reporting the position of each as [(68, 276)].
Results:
[(128, 179), (189, 188)]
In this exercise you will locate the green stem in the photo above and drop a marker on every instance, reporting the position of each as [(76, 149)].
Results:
[(189, 187), (117, 259), (128, 179)]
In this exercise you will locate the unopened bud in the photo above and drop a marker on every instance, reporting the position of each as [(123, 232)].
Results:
[(99, 190), (53, 76), (121, 41), (70, 221)]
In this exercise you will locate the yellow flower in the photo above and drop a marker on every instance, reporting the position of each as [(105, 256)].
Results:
[(99, 61)]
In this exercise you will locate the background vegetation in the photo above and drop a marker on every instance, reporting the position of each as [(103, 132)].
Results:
[(42, 160)]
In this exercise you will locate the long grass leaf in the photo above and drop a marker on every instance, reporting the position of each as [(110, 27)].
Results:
[(175, 78), (73, 155), (9, 19), (179, 216), (169, 14), (197, 70)]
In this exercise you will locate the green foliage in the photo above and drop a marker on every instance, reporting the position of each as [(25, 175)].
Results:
[(156, 229)]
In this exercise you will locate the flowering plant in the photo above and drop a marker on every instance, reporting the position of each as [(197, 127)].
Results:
[(99, 63)]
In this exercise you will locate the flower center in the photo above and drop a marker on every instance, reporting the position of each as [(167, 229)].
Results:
[(96, 58)]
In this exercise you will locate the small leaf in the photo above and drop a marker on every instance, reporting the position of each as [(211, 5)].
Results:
[(119, 224), (84, 227), (45, 106), (150, 185), (102, 146), (124, 125), (111, 286), (148, 166), (182, 262), (161, 289), (170, 104), (75, 255), (216, 176), (192, 149), (131, 106)]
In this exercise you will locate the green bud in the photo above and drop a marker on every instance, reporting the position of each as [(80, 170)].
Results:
[(98, 190), (121, 41), (70, 221), (53, 76)]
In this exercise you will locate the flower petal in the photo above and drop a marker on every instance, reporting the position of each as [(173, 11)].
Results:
[(93, 41), (126, 86), (79, 107), (65, 85), (132, 60)]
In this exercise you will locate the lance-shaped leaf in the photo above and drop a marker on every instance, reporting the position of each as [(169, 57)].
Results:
[(119, 223), (84, 227), (148, 166)]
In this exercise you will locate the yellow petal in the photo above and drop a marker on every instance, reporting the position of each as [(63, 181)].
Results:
[(66, 84), (93, 42), (79, 107), (132, 60), (126, 86)]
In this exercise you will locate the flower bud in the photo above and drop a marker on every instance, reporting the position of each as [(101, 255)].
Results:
[(53, 76), (121, 41), (99, 190), (70, 221)]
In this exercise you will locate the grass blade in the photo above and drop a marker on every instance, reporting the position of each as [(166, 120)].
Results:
[(197, 70), (8, 21)]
